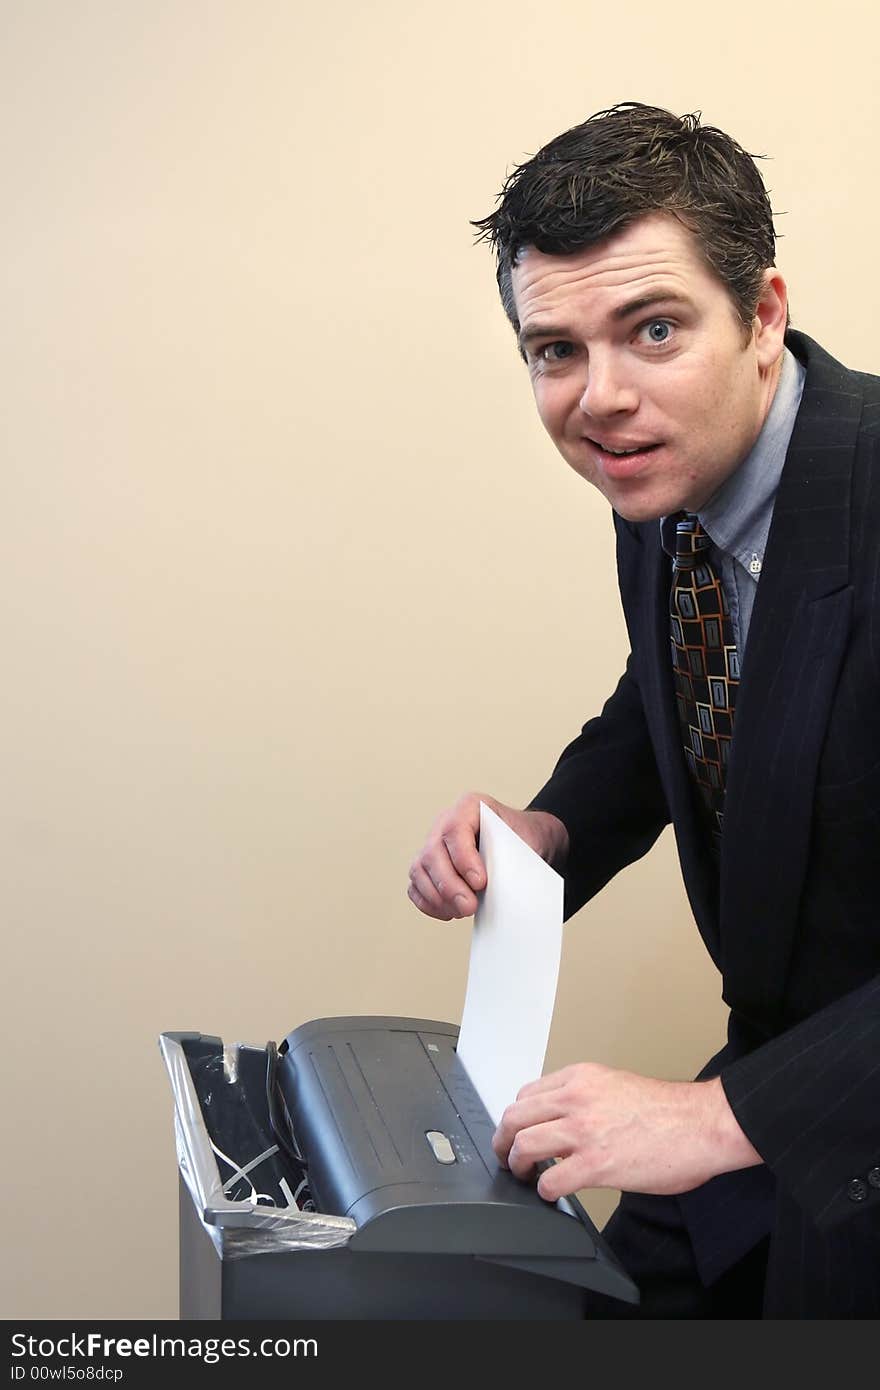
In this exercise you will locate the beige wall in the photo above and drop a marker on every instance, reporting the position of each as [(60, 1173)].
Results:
[(287, 561)]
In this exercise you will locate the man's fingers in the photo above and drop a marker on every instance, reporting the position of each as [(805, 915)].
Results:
[(434, 873), (522, 1117), (449, 873), (434, 878), (534, 1145), (426, 888), (440, 911), (559, 1180), (463, 855)]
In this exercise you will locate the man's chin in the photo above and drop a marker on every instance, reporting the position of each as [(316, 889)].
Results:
[(631, 510)]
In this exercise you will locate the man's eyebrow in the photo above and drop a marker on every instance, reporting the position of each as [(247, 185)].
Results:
[(541, 330), (647, 301)]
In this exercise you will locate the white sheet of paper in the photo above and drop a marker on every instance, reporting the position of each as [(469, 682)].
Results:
[(514, 967)]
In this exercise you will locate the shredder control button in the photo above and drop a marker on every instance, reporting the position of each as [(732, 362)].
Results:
[(440, 1146)]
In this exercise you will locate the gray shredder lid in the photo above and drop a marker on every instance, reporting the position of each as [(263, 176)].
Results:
[(396, 1138)]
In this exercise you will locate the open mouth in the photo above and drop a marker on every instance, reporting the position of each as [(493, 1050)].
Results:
[(622, 462), (624, 453)]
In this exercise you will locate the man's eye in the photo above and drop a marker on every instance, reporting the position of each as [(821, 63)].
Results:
[(555, 352), (657, 331)]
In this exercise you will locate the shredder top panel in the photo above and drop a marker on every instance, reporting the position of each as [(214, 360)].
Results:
[(389, 1121)]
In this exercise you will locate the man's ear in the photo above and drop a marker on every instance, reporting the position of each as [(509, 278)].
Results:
[(771, 319)]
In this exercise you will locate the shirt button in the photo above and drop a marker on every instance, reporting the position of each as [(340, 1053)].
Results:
[(856, 1190), (874, 1177)]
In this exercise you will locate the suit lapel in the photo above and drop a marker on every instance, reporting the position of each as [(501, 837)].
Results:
[(797, 638)]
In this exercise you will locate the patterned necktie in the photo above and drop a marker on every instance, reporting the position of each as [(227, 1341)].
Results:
[(706, 669)]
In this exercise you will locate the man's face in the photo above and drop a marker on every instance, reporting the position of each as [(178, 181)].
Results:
[(634, 344)]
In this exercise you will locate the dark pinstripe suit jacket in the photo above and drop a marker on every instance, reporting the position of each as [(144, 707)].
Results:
[(794, 923)]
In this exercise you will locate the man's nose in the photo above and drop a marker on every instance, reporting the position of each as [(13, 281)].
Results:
[(608, 390)]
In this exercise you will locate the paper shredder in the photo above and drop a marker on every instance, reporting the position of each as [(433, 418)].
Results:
[(381, 1199)]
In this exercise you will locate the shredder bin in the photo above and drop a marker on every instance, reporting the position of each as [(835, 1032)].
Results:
[(247, 1252)]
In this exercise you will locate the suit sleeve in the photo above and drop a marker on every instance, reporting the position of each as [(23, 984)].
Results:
[(809, 1101), (606, 790)]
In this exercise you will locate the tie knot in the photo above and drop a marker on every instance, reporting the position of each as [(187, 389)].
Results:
[(690, 541)]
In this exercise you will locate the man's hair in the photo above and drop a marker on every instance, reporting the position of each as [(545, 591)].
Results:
[(621, 164)]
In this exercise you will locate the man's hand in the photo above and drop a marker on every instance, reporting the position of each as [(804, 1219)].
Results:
[(616, 1129), (446, 876)]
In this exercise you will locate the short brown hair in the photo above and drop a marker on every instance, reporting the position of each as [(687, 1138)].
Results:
[(619, 165)]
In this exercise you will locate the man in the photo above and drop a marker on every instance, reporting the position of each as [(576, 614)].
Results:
[(636, 264)]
